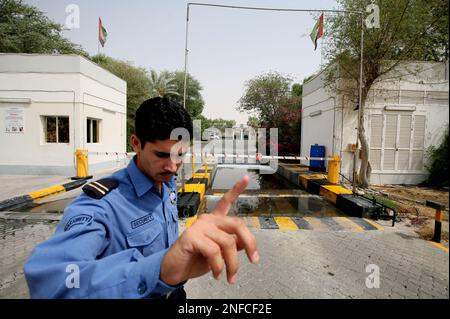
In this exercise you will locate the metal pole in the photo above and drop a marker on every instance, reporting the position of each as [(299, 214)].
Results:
[(360, 101), (183, 173)]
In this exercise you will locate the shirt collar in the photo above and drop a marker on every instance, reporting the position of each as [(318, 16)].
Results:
[(142, 184)]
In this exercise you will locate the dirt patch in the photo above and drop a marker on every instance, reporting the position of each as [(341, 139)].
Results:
[(412, 210), (415, 193)]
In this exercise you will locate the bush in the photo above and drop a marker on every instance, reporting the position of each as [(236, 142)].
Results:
[(438, 167)]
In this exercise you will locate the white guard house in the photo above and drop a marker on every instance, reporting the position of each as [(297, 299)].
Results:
[(52, 105), (406, 112)]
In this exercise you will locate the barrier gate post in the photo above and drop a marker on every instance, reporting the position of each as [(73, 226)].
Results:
[(333, 169), (82, 165)]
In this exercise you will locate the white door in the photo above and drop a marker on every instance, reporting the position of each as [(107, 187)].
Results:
[(397, 142)]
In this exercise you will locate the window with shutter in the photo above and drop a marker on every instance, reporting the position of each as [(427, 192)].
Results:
[(404, 142), (418, 143), (376, 140), (397, 141), (390, 140)]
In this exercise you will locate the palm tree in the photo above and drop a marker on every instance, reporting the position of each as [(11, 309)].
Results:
[(162, 84)]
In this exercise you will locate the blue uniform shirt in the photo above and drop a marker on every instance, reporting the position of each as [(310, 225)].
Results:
[(110, 247)]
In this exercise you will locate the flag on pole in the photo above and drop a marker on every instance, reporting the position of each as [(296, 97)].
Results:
[(317, 32), (102, 34)]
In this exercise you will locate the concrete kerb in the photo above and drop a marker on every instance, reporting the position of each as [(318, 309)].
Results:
[(305, 179), (27, 217)]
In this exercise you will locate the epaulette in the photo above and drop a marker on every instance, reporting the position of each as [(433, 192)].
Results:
[(100, 188)]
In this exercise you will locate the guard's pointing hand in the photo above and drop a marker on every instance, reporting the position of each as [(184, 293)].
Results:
[(212, 240)]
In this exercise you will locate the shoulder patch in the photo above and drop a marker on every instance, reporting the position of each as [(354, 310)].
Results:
[(78, 220), (100, 188)]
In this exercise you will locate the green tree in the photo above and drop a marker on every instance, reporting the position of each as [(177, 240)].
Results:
[(264, 95), (162, 84), (194, 99), (25, 29), (276, 103), (297, 89), (138, 86), (222, 124), (409, 30), (253, 122)]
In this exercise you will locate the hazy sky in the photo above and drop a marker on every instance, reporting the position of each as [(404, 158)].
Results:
[(227, 47)]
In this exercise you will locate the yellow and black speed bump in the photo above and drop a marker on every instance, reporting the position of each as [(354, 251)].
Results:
[(187, 204), (332, 224), (267, 223), (363, 223), (301, 223), (357, 206), (23, 200), (337, 223)]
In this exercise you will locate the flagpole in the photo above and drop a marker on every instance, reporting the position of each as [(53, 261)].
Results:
[(98, 41)]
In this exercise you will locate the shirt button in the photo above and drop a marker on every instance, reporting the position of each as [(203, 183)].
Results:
[(142, 288)]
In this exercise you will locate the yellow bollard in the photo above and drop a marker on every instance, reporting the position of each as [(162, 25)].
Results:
[(82, 164), (333, 169)]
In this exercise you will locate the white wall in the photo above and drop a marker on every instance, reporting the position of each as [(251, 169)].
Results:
[(66, 85), (317, 129), (426, 91)]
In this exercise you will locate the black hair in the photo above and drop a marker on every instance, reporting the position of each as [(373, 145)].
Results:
[(157, 117)]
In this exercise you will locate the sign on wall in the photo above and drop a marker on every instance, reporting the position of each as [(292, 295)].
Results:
[(14, 119)]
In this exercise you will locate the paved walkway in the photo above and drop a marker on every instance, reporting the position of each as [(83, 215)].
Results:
[(294, 264)]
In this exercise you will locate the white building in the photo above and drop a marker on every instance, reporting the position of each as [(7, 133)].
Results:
[(52, 105), (406, 113)]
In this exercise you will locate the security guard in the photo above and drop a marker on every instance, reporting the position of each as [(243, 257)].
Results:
[(119, 238)]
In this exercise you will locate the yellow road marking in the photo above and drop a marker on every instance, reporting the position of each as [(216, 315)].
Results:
[(439, 246), (345, 221), (218, 194), (374, 224), (190, 221), (315, 223), (285, 223)]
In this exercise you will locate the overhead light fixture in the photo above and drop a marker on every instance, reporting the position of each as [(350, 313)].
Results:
[(409, 108), (315, 113)]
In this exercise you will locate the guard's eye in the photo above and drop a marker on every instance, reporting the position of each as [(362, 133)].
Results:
[(162, 154), (180, 155)]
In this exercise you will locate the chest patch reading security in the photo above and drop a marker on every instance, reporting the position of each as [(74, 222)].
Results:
[(78, 220), (141, 221), (173, 197)]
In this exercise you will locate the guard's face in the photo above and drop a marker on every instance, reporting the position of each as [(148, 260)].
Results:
[(159, 160)]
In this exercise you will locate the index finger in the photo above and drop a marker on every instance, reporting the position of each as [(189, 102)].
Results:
[(223, 206)]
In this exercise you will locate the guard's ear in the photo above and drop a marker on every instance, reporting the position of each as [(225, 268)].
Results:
[(135, 143)]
